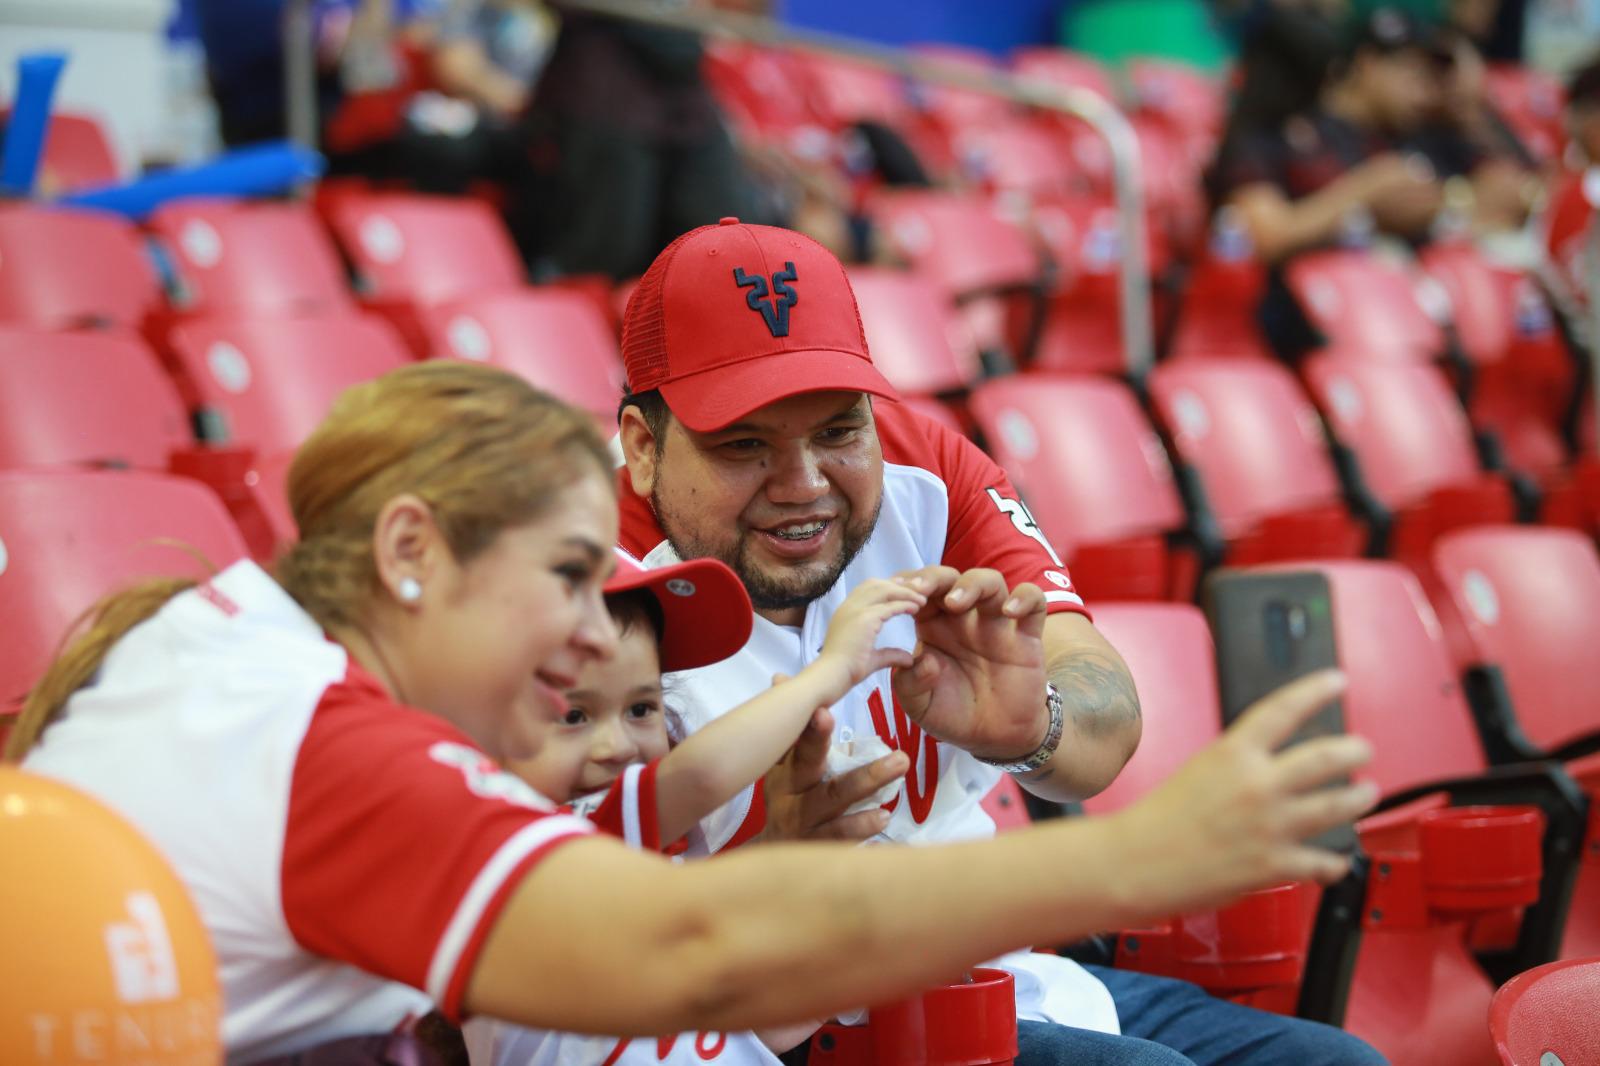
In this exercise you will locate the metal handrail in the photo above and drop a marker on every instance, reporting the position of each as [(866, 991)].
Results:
[(300, 73), (1100, 115)]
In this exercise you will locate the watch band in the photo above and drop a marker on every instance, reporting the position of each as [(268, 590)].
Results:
[(1052, 738)]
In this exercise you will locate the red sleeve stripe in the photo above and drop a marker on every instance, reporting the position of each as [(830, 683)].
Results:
[(475, 911)]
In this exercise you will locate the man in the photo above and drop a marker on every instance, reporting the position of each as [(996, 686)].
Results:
[(1349, 162), (757, 431)]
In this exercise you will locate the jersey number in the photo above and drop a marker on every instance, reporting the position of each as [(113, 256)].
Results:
[(1022, 518)]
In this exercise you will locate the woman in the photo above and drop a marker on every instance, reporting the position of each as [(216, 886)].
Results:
[(312, 750)]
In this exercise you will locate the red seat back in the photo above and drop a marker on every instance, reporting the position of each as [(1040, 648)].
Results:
[(915, 338), (1083, 454), (70, 398), (1403, 694), (1169, 653), (77, 154), (1368, 307), (1064, 69), (68, 537), (251, 258), (64, 267), (1247, 428), (555, 338), (1547, 1015), (1004, 804), (1479, 301), (273, 380), (425, 249), (1403, 422), (959, 242), (1529, 599), (1014, 155)]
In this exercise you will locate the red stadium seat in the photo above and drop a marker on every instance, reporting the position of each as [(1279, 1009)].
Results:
[(1168, 651), (77, 154), (957, 107), (1257, 454), (410, 252), (974, 255), (913, 333), (1414, 447), (1096, 478), (1015, 155), (86, 398), (1418, 995), (932, 409), (1217, 311), (1191, 101), (1064, 69), (842, 92), (1530, 599), (62, 268), (1369, 308), (68, 537), (555, 338), (1546, 1017), (267, 383), (254, 258)]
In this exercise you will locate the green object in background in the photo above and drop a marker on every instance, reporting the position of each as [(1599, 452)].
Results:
[(1116, 30)]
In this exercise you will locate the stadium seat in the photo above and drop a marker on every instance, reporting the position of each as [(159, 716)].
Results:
[(410, 252), (915, 338), (1369, 308), (1546, 1017), (1005, 805), (1190, 101), (1255, 950), (555, 338), (1064, 69), (1254, 459), (77, 154), (67, 537), (1169, 654), (1096, 478), (1418, 993), (1015, 156), (250, 258), (64, 268), (1529, 600), (975, 256), (1414, 454), (86, 399), (266, 383)]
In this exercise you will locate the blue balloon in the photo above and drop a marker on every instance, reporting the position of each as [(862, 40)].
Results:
[(257, 170), (30, 121)]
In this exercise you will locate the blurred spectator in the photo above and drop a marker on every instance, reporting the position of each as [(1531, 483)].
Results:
[(629, 148), (1347, 163), (1583, 111)]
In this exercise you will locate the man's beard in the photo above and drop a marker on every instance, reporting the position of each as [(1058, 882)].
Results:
[(769, 592)]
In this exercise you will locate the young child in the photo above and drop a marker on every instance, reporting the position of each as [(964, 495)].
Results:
[(613, 750)]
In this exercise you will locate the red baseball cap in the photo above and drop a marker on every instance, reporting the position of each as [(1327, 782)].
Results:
[(706, 613), (732, 317)]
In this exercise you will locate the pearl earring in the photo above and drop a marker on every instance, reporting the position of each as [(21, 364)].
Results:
[(410, 590)]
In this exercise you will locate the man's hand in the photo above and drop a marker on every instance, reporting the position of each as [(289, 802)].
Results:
[(802, 806), (977, 677)]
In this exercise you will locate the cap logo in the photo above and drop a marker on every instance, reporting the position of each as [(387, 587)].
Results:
[(776, 311)]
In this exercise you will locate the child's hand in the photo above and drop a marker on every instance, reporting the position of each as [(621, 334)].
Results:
[(853, 630)]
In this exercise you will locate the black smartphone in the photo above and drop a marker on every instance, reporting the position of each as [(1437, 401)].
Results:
[(1271, 628)]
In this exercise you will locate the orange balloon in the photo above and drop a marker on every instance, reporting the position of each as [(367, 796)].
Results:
[(103, 958)]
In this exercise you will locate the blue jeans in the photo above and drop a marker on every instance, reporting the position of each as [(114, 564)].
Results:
[(1174, 1023)]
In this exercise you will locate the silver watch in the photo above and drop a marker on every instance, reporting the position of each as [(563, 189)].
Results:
[(1047, 748)]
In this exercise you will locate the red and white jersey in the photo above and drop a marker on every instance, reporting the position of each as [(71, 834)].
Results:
[(348, 854), (626, 810), (944, 501)]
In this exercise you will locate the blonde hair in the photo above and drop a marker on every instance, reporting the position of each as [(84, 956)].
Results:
[(482, 448)]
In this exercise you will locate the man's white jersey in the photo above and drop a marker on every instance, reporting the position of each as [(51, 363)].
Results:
[(348, 854), (944, 501)]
